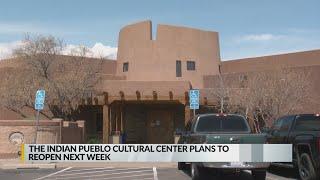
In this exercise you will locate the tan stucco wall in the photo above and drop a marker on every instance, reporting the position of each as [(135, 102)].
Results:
[(6, 146), (155, 60), (296, 59), (49, 133)]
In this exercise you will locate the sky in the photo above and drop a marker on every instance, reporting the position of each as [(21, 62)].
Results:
[(247, 28)]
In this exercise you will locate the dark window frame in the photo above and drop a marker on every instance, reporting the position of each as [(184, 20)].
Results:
[(178, 68), (191, 65), (125, 67)]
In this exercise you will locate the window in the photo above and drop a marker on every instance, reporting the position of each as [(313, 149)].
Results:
[(213, 123), (277, 124), (286, 123), (243, 80), (191, 65), (125, 67), (307, 123), (283, 124), (178, 69)]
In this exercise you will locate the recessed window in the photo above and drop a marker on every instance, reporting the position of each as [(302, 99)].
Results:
[(178, 69), (191, 65), (243, 77), (243, 80), (125, 67)]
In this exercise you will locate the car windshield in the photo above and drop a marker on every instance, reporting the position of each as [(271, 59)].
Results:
[(308, 123), (213, 123)]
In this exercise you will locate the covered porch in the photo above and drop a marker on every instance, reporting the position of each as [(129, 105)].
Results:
[(143, 112), (139, 122)]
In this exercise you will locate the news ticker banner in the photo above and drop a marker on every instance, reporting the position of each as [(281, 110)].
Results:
[(156, 152)]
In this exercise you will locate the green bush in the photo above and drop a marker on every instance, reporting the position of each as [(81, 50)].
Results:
[(94, 140)]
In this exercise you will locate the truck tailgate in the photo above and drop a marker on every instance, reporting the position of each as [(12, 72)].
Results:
[(235, 138)]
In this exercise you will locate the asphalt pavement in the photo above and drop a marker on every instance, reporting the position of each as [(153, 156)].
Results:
[(131, 173)]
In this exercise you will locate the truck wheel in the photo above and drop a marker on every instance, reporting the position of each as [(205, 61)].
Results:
[(181, 166), (197, 172), (306, 168), (259, 174)]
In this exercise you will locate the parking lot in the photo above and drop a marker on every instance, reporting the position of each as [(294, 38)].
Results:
[(132, 173)]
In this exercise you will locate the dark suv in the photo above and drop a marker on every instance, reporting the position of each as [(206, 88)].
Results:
[(303, 131)]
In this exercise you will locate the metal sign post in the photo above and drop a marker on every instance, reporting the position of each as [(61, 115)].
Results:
[(37, 127), (39, 105), (194, 96)]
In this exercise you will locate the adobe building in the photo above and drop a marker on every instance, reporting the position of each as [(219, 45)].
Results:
[(144, 93), (151, 100)]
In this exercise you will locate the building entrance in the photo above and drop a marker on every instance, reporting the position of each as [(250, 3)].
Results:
[(152, 123), (160, 127)]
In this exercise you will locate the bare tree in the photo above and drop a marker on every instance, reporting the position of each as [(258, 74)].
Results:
[(263, 97), (10, 98), (271, 94), (67, 79), (221, 92)]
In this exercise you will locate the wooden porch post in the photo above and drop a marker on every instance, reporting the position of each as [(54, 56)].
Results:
[(113, 118), (122, 117), (118, 119), (106, 122), (187, 114)]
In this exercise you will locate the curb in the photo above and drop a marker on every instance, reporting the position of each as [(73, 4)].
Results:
[(27, 166)]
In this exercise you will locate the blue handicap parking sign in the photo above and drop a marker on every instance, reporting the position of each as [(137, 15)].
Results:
[(194, 96), (40, 97), (194, 101), (39, 106), (194, 106)]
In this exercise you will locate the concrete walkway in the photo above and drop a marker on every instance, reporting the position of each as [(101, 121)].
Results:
[(18, 164)]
